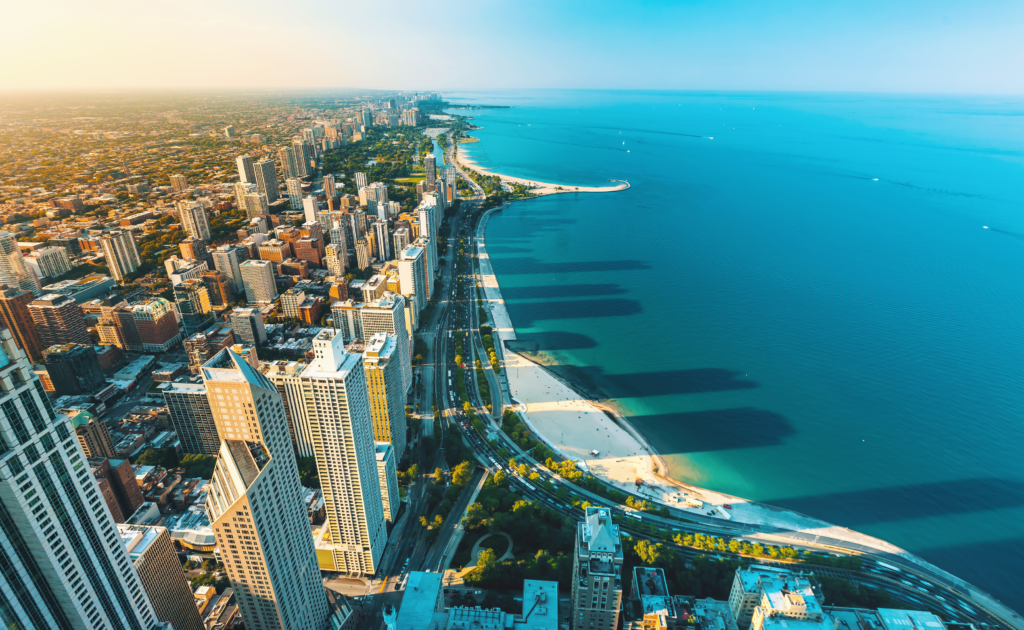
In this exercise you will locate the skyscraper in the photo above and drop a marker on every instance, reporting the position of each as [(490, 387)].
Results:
[(367, 117), (226, 259), (192, 418), (266, 179), (256, 205), (193, 219), (66, 567), (411, 276), (338, 237), (59, 320), (360, 179), (303, 157), (15, 316), (246, 172), (93, 435), (248, 325), (254, 502), (286, 155), (330, 186), (597, 572), (401, 238), (387, 315), (258, 281), (179, 183), (195, 249), (310, 207), (362, 254), (294, 193), (193, 302), (430, 168), (154, 557), (13, 270), (334, 260), (74, 369), (387, 473), (121, 253), (245, 188), (337, 411), (384, 386)]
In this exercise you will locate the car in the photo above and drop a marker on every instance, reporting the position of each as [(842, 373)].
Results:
[(478, 592)]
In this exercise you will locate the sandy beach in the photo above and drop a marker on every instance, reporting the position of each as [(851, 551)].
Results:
[(537, 188)]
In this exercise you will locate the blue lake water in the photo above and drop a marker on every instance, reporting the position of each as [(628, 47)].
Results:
[(804, 310)]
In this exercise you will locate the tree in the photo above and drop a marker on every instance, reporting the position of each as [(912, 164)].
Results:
[(649, 552), (438, 474), (462, 473), (500, 478)]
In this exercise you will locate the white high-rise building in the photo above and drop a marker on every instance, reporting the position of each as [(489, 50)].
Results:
[(430, 168), (258, 281), (337, 411), (401, 238), (387, 472), (266, 179), (193, 219), (64, 565), (49, 262), (310, 208), (428, 229), (13, 270), (387, 315), (411, 276), (246, 172), (294, 193), (242, 189), (254, 502), (120, 252), (360, 180), (334, 260)]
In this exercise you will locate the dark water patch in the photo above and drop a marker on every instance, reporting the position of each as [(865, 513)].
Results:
[(527, 314), (504, 249), (561, 290), (668, 382), (691, 432), (550, 340), (525, 265)]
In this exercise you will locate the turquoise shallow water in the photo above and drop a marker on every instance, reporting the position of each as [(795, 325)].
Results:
[(803, 310)]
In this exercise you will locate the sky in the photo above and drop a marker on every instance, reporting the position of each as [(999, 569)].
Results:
[(936, 46)]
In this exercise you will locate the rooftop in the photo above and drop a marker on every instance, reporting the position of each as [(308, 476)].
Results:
[(417, 608), (137, 538)]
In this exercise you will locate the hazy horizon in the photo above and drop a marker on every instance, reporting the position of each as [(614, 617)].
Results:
[(733, 45)]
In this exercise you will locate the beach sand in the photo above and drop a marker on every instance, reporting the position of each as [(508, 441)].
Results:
[(538, 188)]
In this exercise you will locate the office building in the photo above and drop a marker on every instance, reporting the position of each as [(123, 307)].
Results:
[(121, 253), (93, 435), (121, 491), (275, 250), (303, 157), (258, 281), (48, 262), (179, 183), (195, 249), (330, 186), (387, 315), (74, 369), (248, 326), (412, 276), (16, 317), (193, 302), (193, 219), (334, 260), (65, 565), (337, 411), (384, 386), (387, 476), (246, 172), (155, 326), (154, 557), (430, 168), (362, 254), (597, 572), (286, 377), (254, 503), (58, 320), (266, 179), (650, 606), (181, 269), (192, 418), (13, 270), (286, 156), (219, 286), (294, 185), (380, 230), (401, 240), (226, 259)]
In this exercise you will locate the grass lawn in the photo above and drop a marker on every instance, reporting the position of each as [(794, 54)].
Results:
[(411, 180)]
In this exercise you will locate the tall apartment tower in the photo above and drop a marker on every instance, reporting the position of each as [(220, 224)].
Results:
[(338, 416), (430, 167), (13, 270), (154, 557), (597, 572), (65, 565), (193, 302), (248, 326), (286, 155), (303, 156), (401, 238), (246, 172), (258, 281), (412, 277), (254, 502), (74, 369), (121, 253), (294, 193), (387, 315), (226, 259), (380, 228), (59, 320), (310, 208), (15, 316), (387, 473), (192, 419), (193, 220), (266, 179), (362, 254), (179, 183), (360, 181), (384, 386), (330, 186), (93, 436), (334, 260)]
